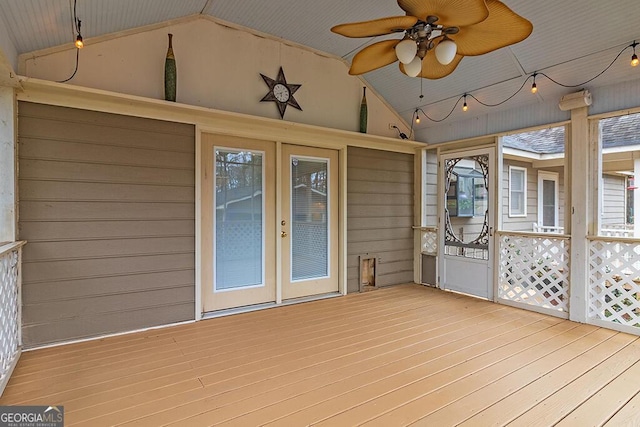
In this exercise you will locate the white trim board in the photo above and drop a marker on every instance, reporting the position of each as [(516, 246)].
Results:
[(209, 120)]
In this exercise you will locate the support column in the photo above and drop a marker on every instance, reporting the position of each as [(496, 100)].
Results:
[(8, 162), (636, 197), (419, 193), (578, 149)]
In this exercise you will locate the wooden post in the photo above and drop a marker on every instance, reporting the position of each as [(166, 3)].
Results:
[(8, 160), (636, 198), (578, 148)]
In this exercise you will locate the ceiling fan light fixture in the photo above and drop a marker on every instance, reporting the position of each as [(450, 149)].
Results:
[(446, 51), (413, 68), (406, 50)]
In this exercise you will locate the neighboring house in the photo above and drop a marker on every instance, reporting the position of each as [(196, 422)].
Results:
[(533, 177)]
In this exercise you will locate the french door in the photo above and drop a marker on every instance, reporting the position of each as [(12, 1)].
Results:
[(238, 216), (255, 231), (309, 224), (467, 220)]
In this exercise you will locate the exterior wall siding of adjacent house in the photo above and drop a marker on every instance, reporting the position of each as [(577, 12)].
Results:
[(525, 223), (107, 207), (613, 200), (380, 214)]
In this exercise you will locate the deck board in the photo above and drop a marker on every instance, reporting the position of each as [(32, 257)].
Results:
[(395, 356)]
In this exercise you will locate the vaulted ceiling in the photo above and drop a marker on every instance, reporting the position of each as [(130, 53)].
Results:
[(572, 41)]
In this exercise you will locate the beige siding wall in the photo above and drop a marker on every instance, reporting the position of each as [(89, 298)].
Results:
[(107, 206), (526, 223), (380, 214), (613, 198), (431, 196)]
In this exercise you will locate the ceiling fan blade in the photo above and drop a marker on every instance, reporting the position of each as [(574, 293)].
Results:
[(502, 28), (376, 27), (373, 57), (449, 12), (432, 69)]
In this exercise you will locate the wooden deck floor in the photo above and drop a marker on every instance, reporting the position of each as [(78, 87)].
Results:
[(397, 356)]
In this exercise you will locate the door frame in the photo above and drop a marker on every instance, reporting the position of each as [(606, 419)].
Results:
[(548, 176), (495, 172), (309, 153), (341, 148)]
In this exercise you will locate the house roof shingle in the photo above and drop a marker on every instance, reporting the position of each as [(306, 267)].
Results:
[(620, 131)]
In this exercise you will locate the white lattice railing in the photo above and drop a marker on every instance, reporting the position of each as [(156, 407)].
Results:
[(614, 281), (10, 309), (534, 270), (428, 240), (609, 230)]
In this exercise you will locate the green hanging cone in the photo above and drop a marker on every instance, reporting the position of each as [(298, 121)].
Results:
[(363, 111), (170, 73)]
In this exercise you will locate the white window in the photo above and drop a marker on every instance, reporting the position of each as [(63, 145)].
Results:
[(548, 199), (517, 191)]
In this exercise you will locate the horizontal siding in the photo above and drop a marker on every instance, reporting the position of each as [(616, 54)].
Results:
[(526, 223), (518, 223), (431, 184), (380, 214), (107, 204), (613, 198)]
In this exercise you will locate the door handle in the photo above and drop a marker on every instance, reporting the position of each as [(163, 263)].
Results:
[(283, 234)]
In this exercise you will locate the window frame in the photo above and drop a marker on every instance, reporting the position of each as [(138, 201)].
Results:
[(523, 191), (548, 176)]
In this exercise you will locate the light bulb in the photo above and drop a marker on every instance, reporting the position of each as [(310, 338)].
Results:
[(406, 50), (446, 51), (417, 119), (634, 60), (79, 43), (534, 88), (413, 68), (464, 106)]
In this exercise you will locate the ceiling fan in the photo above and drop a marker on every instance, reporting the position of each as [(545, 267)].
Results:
[(453, 29)]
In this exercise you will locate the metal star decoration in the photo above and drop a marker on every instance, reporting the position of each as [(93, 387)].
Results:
[(278, 94)]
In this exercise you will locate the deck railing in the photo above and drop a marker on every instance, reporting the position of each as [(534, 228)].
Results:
[(610, 230), (614, 283), (10, 309), (534, 271)]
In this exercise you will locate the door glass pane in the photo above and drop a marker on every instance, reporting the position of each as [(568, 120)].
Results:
[(310, 219), (238, 220), (467, 207), (548, 203)]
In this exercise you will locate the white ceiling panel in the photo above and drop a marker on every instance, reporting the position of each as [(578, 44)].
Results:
[(103, 17), (305, 22), (39, 24), (567, 30)]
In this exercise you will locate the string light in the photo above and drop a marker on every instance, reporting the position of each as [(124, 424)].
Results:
[(79, 43), (534, 87)]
